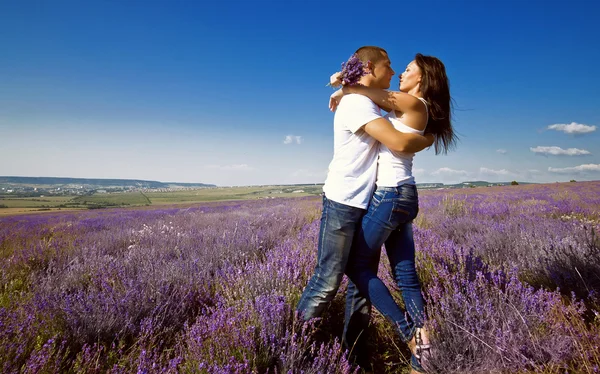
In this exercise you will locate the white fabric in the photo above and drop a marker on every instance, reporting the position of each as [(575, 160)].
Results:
[(351, 176), (395, 168)]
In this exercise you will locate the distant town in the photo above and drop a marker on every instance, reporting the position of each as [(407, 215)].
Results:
[(46, 186), (81, 190)]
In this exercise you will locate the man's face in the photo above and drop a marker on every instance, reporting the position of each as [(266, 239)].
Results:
[(383, 73)]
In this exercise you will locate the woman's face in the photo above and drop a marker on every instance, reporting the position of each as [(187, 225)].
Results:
[(410, 78)]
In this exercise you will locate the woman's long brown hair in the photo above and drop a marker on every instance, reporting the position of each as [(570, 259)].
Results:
[(435, 88)]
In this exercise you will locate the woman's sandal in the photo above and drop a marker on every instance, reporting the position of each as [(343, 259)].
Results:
[(421, 353)]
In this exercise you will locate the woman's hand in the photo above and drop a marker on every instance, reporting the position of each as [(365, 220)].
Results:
[(336, 79), (334, 99)]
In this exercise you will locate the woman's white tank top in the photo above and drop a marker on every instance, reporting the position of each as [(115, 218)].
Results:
[(395, 168)]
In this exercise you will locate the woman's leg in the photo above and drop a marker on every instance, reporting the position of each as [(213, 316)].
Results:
[(400, 248), (376, 227)]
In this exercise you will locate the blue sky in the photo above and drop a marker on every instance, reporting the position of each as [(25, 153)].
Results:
[(233, 92)]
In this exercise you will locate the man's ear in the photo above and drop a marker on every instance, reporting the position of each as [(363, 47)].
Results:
[(368, 67)]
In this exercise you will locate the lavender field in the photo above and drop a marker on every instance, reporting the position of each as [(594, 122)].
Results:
[(511, 275)]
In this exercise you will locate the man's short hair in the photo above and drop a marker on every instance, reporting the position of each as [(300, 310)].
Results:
[(371, 53)]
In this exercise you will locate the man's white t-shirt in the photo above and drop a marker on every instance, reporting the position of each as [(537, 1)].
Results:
[(352, 172)]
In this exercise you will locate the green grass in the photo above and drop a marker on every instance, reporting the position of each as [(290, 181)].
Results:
[(232, 193), (35, 202), (113, 199)]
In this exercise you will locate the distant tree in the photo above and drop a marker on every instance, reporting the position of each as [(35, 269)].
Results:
[(514, 183), (573, 180)]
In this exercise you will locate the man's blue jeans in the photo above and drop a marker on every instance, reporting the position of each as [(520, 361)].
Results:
[(389, 220), (339, 225)]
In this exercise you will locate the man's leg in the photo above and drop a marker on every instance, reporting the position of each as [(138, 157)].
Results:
[(357, 317), (338, 225)]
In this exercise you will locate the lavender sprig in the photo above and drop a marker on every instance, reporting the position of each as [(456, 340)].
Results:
[(352, 71)]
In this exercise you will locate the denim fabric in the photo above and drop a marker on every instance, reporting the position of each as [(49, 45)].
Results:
[(389, 220), (339, 224)]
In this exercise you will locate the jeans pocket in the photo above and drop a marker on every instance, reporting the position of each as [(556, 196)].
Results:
[(403, 212)]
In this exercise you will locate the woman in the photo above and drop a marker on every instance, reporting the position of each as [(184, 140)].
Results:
[(422, 106)]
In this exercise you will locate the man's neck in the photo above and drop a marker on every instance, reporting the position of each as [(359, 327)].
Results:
[(367, 82)]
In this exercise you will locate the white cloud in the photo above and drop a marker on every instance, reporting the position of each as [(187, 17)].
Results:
[(494, 172), (417, 171), (450, 172), (502, 151), (234, 167), (289, 139), (573, 128), (557, 151), (585, 168)]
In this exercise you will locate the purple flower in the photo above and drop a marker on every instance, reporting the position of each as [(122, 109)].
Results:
[(352, 70)]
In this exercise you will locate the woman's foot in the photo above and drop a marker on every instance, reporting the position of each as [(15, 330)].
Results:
[(420, 348)]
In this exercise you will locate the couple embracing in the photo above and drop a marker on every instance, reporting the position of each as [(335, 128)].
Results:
[(370, 197)]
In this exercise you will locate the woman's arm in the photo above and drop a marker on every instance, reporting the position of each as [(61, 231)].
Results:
[(334, 100), (389, 100)]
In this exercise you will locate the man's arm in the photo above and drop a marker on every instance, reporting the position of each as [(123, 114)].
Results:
[(383, 131)]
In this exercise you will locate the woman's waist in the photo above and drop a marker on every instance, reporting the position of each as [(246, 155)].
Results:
[(405, 193), (406, 190), (395, 160), (391, 176), (400, 188)]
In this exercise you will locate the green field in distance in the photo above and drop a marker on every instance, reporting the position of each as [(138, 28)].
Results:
[(21, 205)]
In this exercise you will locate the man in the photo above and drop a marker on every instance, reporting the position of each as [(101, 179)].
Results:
[(358, 129)]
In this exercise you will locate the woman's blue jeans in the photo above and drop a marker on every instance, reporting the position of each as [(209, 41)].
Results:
[(389, 220)]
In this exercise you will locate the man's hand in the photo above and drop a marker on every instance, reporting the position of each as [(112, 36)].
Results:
[(334, 99), (384, 132), (430, 139)]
